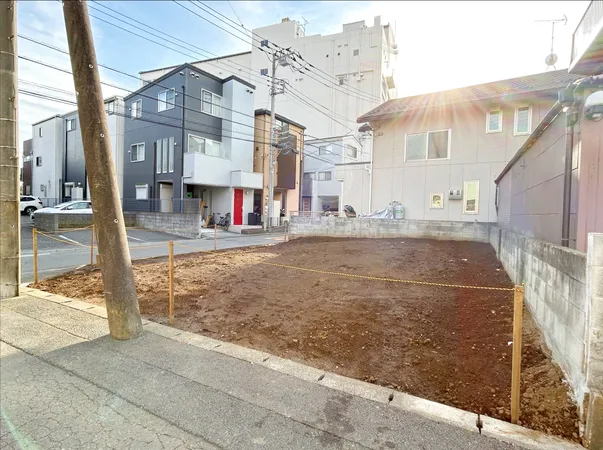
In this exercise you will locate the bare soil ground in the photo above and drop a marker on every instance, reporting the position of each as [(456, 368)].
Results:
[(449, 345)]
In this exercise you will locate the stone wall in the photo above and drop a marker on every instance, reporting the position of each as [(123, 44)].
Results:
[(555, 293), (187, 225), (384, 228)]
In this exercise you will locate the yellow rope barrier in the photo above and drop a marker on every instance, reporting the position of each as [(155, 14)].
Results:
[(63, 241), (393, 280), (69, 230)]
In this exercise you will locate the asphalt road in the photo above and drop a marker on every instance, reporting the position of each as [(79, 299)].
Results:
[(55, 257)]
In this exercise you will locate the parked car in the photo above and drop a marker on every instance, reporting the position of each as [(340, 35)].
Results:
[(74, 207), (29, 204)]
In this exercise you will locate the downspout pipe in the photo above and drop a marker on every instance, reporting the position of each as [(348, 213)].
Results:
[(571, 101)]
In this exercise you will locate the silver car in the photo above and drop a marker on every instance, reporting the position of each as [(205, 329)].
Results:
[(74, 207)]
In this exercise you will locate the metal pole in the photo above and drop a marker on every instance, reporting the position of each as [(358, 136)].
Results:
[(567, 180), (171, 281), (118, 277), (34, 238), (516, 359), (271, 149), (92, 246), (10, 223)]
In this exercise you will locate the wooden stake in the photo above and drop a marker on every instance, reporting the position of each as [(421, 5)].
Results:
[(171, 281), (215, 237), (35, 254), (286, 229), (92, 246), (516, 365)]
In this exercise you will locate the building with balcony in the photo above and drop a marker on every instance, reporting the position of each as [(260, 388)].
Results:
[(288, 160), (587, 42), (187, 141), (55, 155)]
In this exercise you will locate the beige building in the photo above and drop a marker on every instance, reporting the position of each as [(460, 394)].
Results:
[(439, 153), (288, 164)]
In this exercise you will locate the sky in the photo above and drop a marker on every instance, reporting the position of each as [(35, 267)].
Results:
[(442, 45)]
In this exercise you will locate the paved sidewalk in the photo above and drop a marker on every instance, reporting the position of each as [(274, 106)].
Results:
[(66, 384)]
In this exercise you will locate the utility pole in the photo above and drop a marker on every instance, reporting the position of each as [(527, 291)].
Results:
[(118, 276), (10, 223)]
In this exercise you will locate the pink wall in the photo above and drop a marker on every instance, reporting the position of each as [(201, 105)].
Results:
[(590, 191)]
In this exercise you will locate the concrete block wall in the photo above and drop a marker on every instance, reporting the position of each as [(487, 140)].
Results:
[(555, 292), (594, 352), (384, 228), (187, 225)]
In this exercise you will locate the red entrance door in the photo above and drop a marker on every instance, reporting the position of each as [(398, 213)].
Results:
[(237, 216)]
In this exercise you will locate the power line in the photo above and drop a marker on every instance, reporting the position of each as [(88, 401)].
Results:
[(235, 13)]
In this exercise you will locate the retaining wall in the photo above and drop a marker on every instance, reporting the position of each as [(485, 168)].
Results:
[(49, 222), (384, 228), (187, 225)]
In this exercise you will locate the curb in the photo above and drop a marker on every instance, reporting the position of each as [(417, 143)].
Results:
[(494, 428)]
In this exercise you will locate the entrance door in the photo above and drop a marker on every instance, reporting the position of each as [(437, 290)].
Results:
[(237, 218), (166, 192)]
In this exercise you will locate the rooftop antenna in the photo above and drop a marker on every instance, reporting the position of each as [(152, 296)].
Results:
[(303, 25), (551, 59)]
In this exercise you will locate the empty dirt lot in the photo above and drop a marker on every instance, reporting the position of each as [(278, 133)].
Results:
[(450, 345)]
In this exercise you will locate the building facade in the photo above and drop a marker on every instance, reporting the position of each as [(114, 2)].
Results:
[(26, 171), (288, 161), (438, 154), (323, 186), (187, 145), (57, 155)]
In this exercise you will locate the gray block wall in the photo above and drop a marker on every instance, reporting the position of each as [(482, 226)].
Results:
[(187, 225), (54, 222), (555, 292), (384, 228)]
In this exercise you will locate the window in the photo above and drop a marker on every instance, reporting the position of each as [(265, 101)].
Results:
[(523, 120), (40, 131), (38, 161), (166, 100), (211, 103), (68, 188), (323, 150), (137, 109), (494, 121), (70, 124), (324, 176), (341, 81), (197, 144), (27, 158), (110, 107), (351, 151), (171, 154), (429, 145), (281, 126), (310, 176), (137, 152), (471, 197), (142, 192), (356, 52), (164, 153)]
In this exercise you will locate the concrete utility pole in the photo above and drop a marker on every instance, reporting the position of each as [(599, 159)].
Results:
[(10, 223), (118, 277)]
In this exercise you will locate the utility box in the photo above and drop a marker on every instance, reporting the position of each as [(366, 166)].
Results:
[(455, 194)]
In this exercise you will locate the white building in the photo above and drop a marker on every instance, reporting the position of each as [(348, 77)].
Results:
[(57, 158), (353, 73)]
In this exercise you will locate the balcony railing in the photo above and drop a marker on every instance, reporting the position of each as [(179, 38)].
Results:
[(587, 31)]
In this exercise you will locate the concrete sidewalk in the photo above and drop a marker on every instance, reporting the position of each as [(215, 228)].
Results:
[(66, 384)]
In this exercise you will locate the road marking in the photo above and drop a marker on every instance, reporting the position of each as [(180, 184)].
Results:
[(31, 255), (136, 239), (70, 240)]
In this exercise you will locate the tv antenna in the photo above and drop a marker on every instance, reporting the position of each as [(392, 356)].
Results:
[(303, 25), (551, 58)]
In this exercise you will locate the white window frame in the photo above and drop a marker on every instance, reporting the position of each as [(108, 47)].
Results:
[(500, 121), (136, 111), (164, 105), (324, 172), (143, 152), (110, 107), (465, 198), (323, 150), (141, 186), (171, 150), (216, 107), (206, 142), (523, 133), (427, 145), (349, 147), (70, 124)]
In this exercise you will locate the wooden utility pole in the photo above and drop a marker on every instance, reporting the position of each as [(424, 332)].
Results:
[(118, 276), (10, 223)]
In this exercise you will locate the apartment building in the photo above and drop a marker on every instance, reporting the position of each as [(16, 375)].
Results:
[(288, 160), (187, 136), (323, 186), (439, 153), (57, 154)]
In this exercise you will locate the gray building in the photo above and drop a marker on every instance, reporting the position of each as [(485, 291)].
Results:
[(188, 143), (56, 155)]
